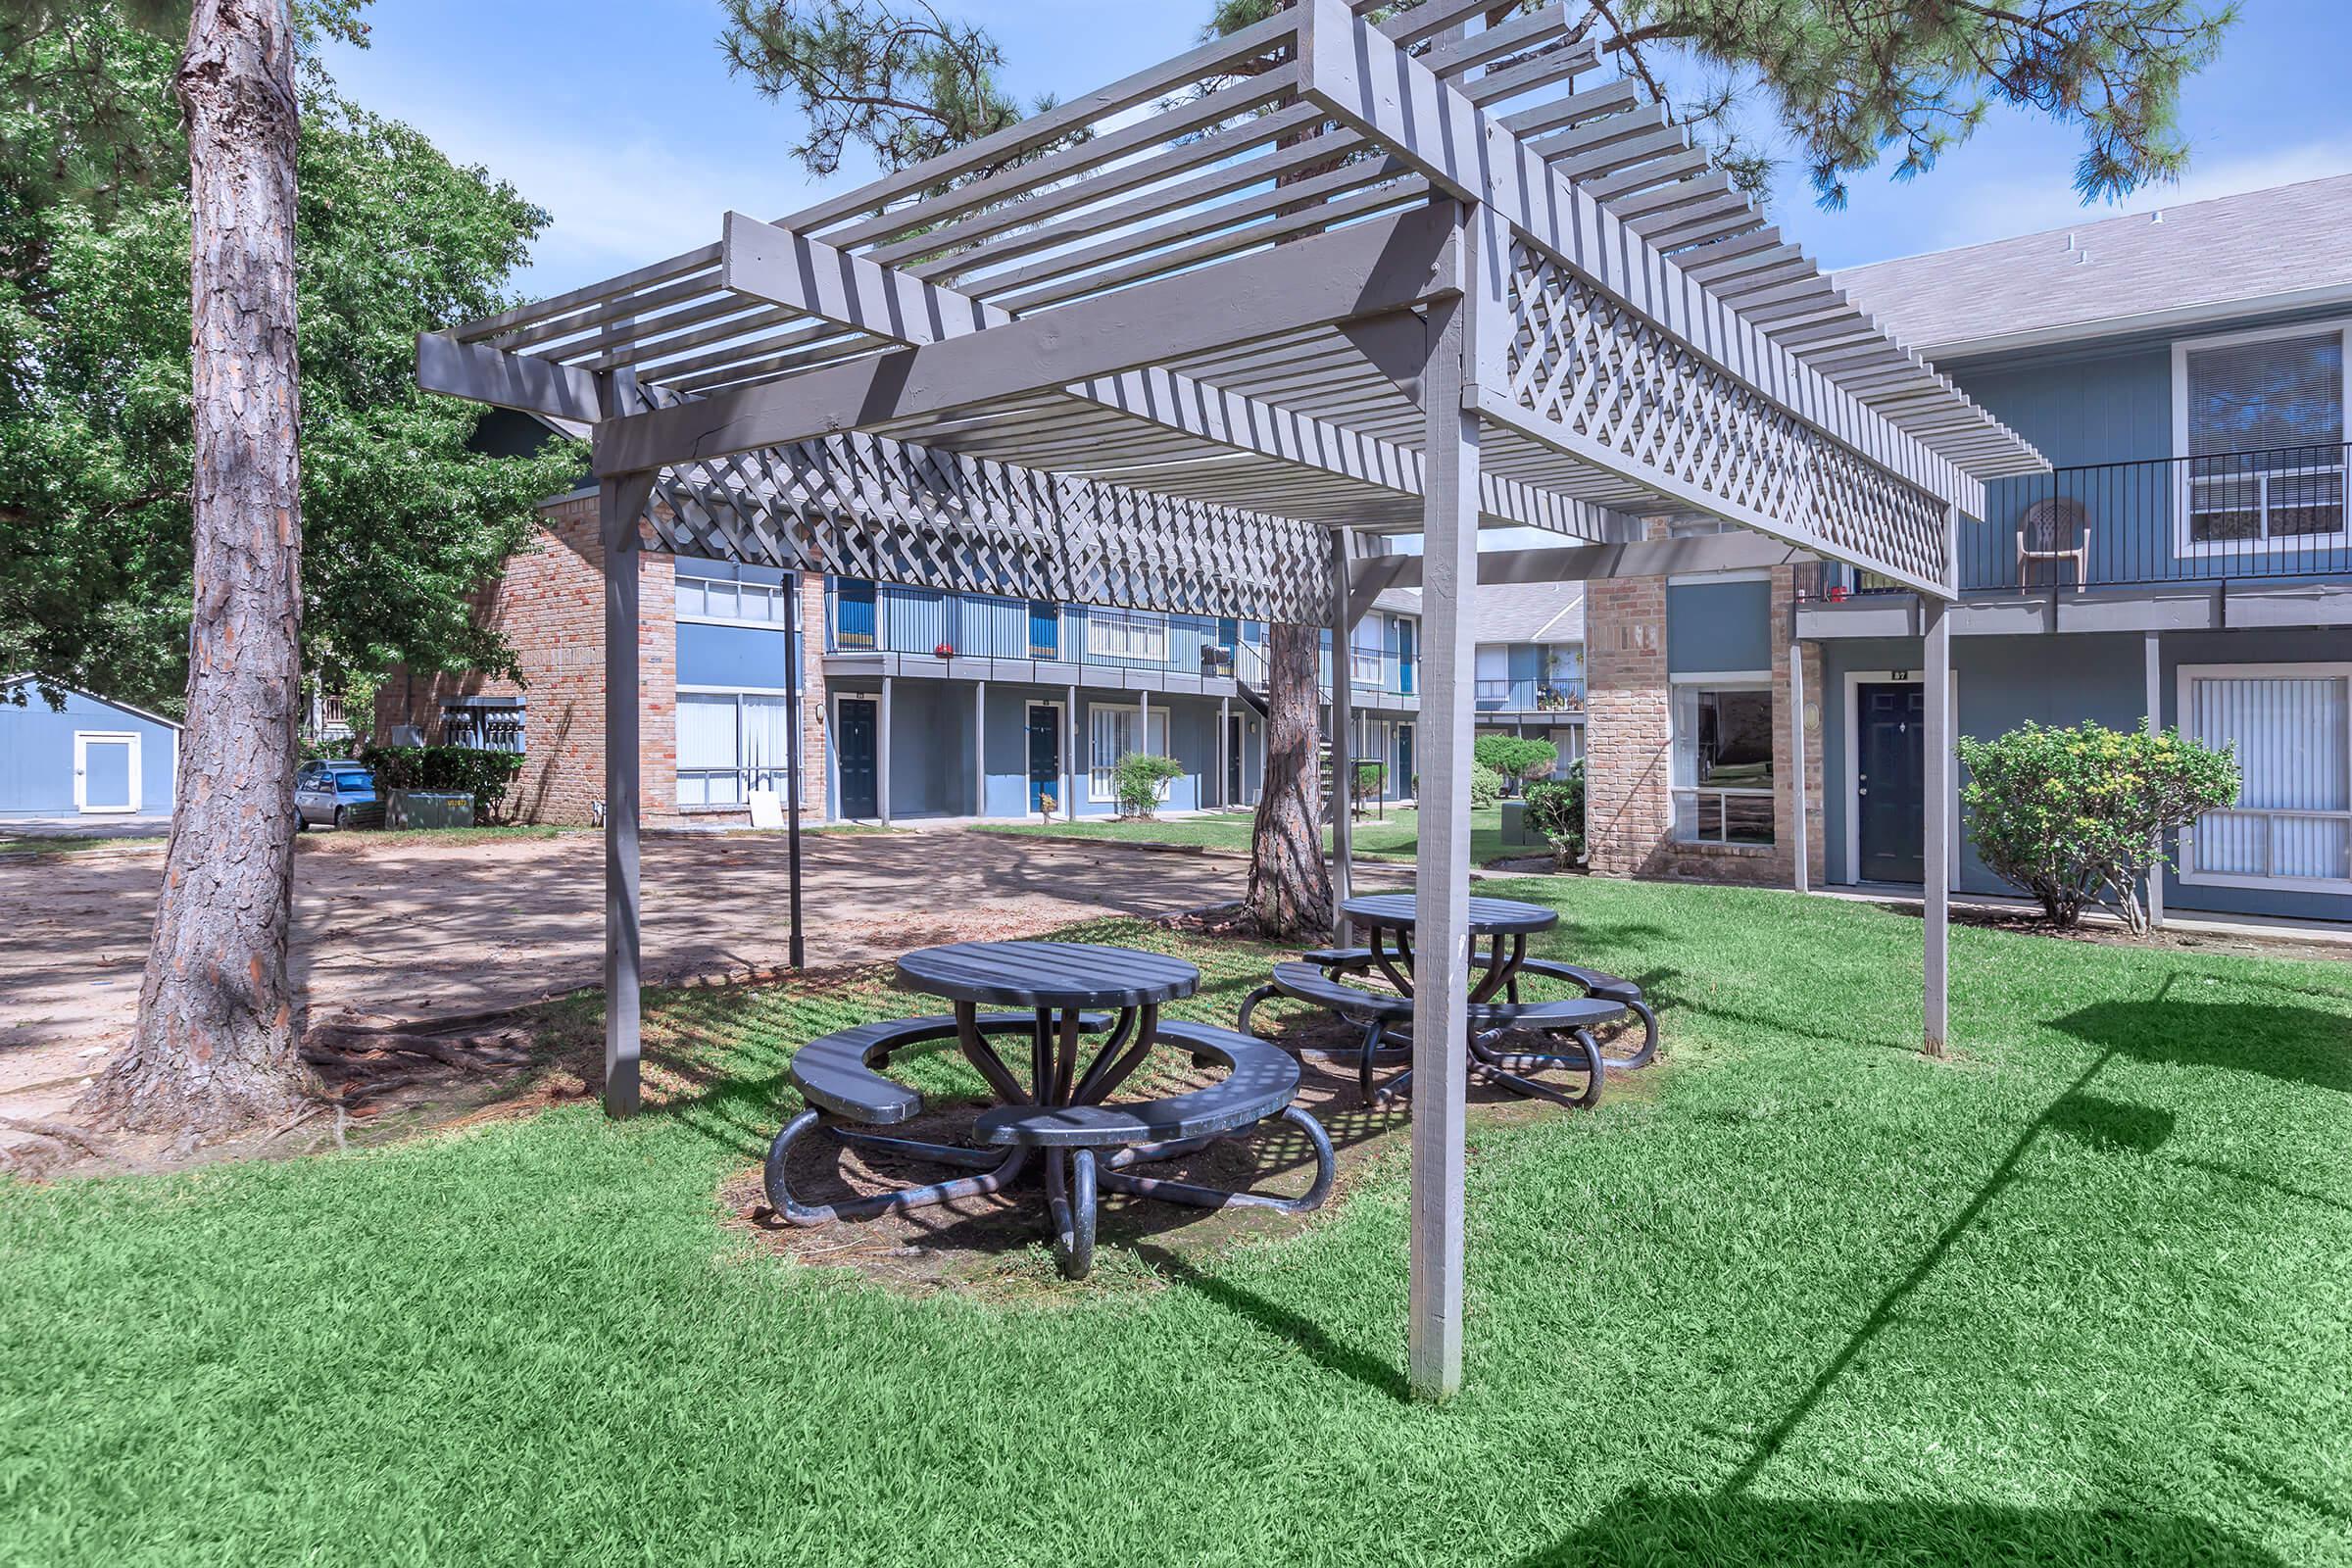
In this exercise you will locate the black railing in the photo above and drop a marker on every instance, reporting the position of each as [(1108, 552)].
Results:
[(2272, 514)]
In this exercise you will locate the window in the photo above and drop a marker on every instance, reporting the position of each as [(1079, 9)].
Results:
[(1126, 634), (2260, 422), (853, 613), (712, 590), (729, 744), (1723, 764), (485, 726), (1113, 732), (1045, 630), (2290, 726)]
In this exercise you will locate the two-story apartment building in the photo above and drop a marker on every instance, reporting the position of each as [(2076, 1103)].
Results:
[(916, 704), (2187, 561)]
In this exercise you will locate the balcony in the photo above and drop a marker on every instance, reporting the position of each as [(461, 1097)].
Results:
[(2276, 517), (1561, 695)]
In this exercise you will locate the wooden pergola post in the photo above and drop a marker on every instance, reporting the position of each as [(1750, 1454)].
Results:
[(1442, 869), (1343, 740), (1936, 863)]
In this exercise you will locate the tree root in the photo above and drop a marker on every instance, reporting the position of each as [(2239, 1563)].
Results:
[(55, 1132)]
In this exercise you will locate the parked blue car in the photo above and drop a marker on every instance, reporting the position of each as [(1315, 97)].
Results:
[(337, 794)]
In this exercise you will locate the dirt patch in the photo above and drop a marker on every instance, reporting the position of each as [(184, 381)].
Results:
[(444, 941)]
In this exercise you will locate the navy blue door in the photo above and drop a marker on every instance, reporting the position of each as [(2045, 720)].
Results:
[(1045, 757), (855, 748), (1405, 762), (1891, 766)]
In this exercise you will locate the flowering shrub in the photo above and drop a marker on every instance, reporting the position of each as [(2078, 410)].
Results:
[(2076, 816)]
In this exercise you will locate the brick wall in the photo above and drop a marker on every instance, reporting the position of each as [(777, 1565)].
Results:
[(1629, 732), (550, 606)]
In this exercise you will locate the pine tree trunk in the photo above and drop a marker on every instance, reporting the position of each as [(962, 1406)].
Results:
[(218, 1034), (1290, 887)]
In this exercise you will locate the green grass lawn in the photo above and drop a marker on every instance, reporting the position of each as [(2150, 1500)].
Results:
[(73, 843), (1392, 837), (2076, 1296)]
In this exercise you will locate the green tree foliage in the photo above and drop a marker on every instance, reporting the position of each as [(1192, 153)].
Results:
[(1137, 779), (1847, 84), (896, 78), (1485, 786), (400, 521), (2075, 816), (1515, 757)]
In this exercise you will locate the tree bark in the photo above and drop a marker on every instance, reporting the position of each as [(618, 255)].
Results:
[(1290, 887), (215, 1048)]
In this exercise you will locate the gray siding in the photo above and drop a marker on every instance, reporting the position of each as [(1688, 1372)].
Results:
[(2062, 680), (1715, 627)]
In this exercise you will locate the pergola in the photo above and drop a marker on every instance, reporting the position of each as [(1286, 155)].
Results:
[(1175, 343)]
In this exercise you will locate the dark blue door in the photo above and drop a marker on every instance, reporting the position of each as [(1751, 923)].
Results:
[(1891, 756), (1045, 757), (854, 746), (1405, 762)]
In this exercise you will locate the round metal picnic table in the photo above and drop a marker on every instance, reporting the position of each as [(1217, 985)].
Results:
[(1391, 915), (1505, 924), (1058, 981)]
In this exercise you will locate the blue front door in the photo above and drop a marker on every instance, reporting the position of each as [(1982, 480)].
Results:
[(854, 746), (1045, 757)]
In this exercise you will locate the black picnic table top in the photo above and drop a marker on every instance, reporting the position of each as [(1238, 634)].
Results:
[(1396, 912), (1048, 974)]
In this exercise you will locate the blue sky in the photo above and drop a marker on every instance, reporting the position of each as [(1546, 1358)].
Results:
[(619, 116)]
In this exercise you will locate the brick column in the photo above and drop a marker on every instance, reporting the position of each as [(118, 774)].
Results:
[(814, 704), (1629, 811)]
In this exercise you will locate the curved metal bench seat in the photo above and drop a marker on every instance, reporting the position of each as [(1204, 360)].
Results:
[(836, 1076), (1259, 1084), (1314, 980), (1603, 986)]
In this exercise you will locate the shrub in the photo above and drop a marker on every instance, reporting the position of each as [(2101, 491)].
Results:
[(2077, 815), (483, 774), (1485, 786), (1136, 778), (1515, 757), (1556, 808)]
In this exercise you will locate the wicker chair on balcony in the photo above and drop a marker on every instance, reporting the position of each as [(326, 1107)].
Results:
[(2054, 529)]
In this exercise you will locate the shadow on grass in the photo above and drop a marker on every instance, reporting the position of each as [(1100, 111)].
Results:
[(1313, 1338), (1727, 1533), (2292, 1043)]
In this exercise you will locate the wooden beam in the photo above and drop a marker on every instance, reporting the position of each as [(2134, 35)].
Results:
[(1374, 87), (1380, 265), (483, 375), (1653, 558), (1342, 737), (620, 504)]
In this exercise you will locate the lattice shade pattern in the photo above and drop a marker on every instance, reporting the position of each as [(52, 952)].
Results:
[(865, 506), (1579, 357)]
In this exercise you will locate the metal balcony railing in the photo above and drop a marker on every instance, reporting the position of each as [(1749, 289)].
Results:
[(1561, 695), (2275, 514)]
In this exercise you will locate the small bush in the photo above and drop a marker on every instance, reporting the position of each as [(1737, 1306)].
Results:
[(1555, 809), (1137, 777), (1485, 786), (483, 774), (1515, 757), (2077, 815)]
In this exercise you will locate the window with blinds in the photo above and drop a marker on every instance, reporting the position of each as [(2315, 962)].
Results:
[(2265, 426), (1113, 733), (2290, 728)]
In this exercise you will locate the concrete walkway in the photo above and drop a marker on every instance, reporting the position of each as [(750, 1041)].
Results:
[(427, 930)]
